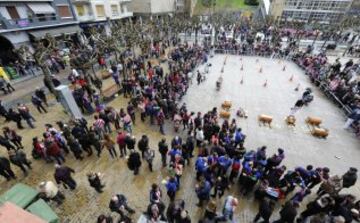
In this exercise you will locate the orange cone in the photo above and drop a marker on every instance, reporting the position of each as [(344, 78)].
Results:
[(291, 78), (265, 84)]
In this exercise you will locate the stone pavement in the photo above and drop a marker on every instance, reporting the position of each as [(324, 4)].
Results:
[(83, 205)]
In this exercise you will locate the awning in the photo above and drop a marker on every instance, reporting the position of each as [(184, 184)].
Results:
[(11, 213), (41, 8), (39, 34)]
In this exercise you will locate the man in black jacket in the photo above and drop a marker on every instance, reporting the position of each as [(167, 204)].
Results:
[(288, 212), (350, 177), (5, 169), (118, 203), (41, 94), (163, 149), (63, 175), (6, 143), (15, 117), (266, 208), (134, 161), (143, 145)]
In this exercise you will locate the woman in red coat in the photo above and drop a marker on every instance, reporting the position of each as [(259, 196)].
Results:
[(53, 149)]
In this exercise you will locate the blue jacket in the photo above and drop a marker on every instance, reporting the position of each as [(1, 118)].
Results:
[(204, 192), (224, 161), (200, 164), (171, 186)]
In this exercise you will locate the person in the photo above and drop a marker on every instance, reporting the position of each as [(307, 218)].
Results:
[(18, 158), (349, 178), (171, 187), (203, 192), (5, 169), (41, 94), (49, 191), (163, 149), (94, 140), (8, 85), (95, 181), (134, 161), (298, 105), (11, 135), (155, 194), (210, 212), (3, 111), (317, 206), (3, 85), (104, 219), (221, 184), (109, 144), (120, 139), (26, 115), (119, 204), (15, 117), (199, 136), (37, 102), (266, 209), (52, 148), (353, 117), (228, 210), (130, 142), (75, 147), (288, 212), (149, 157), (6, 143), (143, 145), (63, 175)]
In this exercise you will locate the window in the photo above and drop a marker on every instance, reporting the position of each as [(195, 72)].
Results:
[(13, 12), (114, 10), (64, 11), (100, 11), (80, 10)]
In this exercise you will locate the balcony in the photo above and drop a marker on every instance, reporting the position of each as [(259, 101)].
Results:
[(32, 22)]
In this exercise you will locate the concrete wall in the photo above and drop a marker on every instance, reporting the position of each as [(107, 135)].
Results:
[(152, 6), (162, 6), (140, 6)]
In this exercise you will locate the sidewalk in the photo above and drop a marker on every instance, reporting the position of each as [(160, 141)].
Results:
[(25, 86)]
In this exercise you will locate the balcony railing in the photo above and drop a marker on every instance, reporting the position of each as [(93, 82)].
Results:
[(33, 21)]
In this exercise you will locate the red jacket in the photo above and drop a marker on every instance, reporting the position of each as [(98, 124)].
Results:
[(120, 139), (52, 148)]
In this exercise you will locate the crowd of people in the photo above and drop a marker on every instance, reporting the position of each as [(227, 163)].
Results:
[(216, 147)]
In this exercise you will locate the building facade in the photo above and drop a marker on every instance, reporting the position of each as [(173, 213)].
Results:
[(322, 11), (100, 13), (22, 22)]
